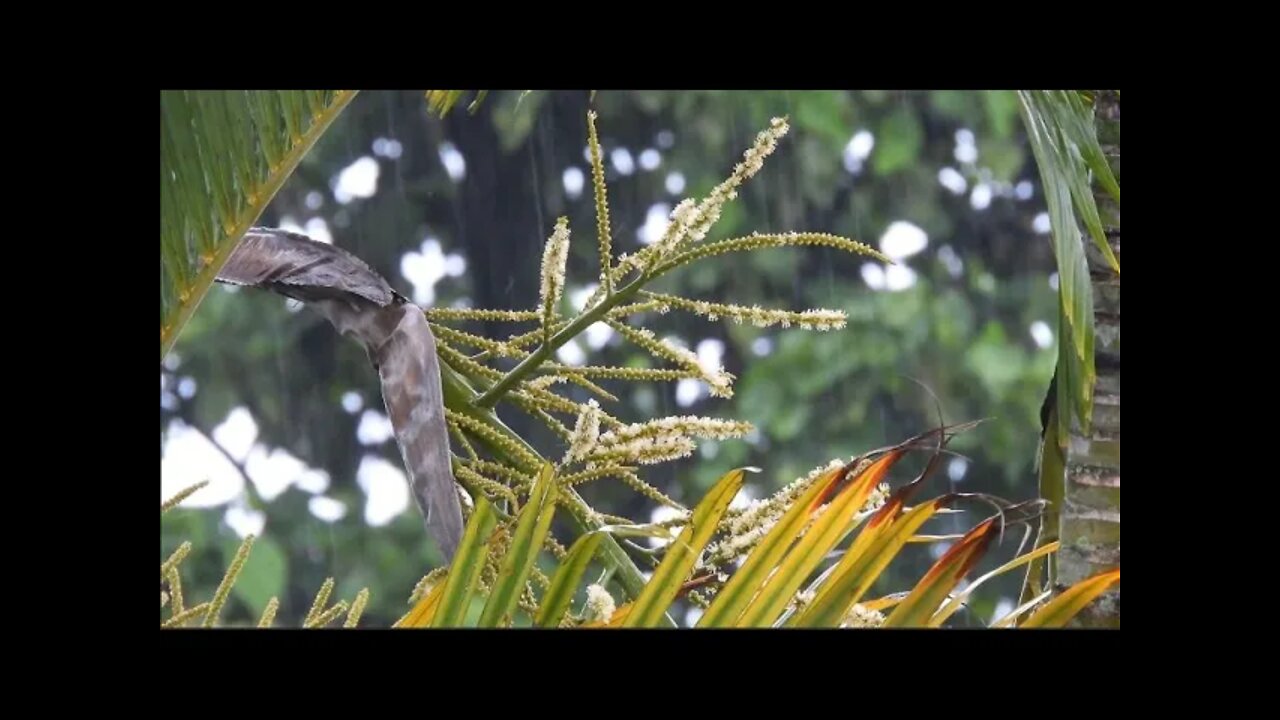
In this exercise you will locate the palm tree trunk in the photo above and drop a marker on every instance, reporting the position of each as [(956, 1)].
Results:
[(1090, 517)]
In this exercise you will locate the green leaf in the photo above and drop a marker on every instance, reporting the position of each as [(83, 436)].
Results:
[(532, 527), (223, 157), (649, 609), (559, 595), (1076, 372), (464, 573), (1061, 128), (898, 142), (263, 575)]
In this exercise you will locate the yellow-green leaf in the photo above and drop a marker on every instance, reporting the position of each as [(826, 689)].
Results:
[(464, 573), (826, 532), (650, 607), (422, 612), (565, 583), (937, 584), (1059, 611), (531, 531), (734, 596), (885, 535), (959, 600)]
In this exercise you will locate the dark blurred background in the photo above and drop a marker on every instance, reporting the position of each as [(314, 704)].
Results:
[(285, 418)]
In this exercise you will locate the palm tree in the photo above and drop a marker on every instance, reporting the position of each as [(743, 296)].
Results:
[(1076, 139)]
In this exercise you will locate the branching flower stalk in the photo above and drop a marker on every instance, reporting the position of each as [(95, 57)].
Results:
[(600, 445)]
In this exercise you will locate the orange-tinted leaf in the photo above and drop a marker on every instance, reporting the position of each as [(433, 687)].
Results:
[(827, 532), (422, 612), (864, 562), (945, 574), (956, 602), (615, 620), (1059, 611)]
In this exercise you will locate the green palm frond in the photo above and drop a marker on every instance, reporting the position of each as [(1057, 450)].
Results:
[(223, 157), (1060, 127)]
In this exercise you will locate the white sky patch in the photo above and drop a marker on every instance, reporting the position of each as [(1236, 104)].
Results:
[(315, 200), (650, 159), (622, 161), (386, 490), (857, 150), (288, 224), (1041, 224), (428, 267), (952, 180), (762, 346), (688, 391), (574, 180), (374, 428), (902, 240), (454, 163), (1053, 282), (187, 388), (388, 148), (1023, 190), (578, 296), (272, 473), (352, 402), (313, 481), (675, 183), (665, 139), (237, 433), (710, 355), (957, 468), (598, 335), (656, 221), (327, 509), (899, 277), (744, 497), (188, 458), (244, 520), (872, 275), (172, 361), (980, 199), (318, 229), (966, 149), (1041, 333), (357, 180), (571, 353)]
